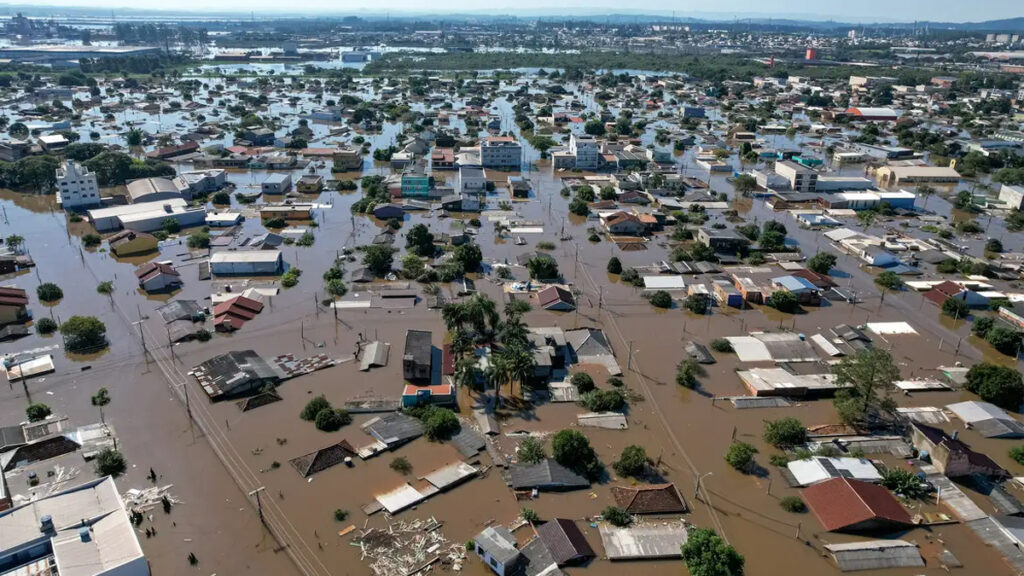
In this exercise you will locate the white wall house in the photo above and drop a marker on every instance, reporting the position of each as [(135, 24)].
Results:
[(76, 186)]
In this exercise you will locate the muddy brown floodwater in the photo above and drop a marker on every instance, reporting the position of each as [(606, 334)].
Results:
[(217, 460)]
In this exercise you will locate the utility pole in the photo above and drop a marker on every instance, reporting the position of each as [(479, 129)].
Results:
[(629, 358), (259, 503)]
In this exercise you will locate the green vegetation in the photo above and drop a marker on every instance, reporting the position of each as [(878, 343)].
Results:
[(784, 432), (438, 423), (904, 482), (542, 268), (997, 384), (378, 259), (46, 326), (661, 299), (955, 308), (336, 288), (314, 407), (84, 333), (331, 420), (889, 280), (740, 456), (531, 451), (784, 301), (91, 240), (290, 278), (106, 288), (340, 515), (36, 412), (110, 462), (706, 554), (582, 381), (199, 240), (571, 449), (617, 516), (721, 345), (420, 241), (604, 400), (793, 504), (822, 262), (529, 515), (306, 240), (469, 256), (867, 379), (49, 292), (401, 465), (632, 462), (687, 372)]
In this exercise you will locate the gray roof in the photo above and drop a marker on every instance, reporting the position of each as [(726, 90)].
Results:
[(565, 541), (875, 555), (499, 543), (179, 310), (394, 428), (588, 342), (417, 346), (546, 474)]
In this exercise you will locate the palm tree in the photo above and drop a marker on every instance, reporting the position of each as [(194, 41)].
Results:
[(498, 374), (482, 314), (516, 308), (100, 399), (513, 332), (465, 372), (454, 315), (520, 364), (14, 242), (925, 190)]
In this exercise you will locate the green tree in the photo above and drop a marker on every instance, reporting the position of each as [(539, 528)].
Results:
[(36, 412), (997, 384), (661, 299), (106, 288), (955, 308), (1017, 454), (529, 515), (740, 456), (632, 462), (772, 241), (91, 240), (792, 504), (378, 259), (594, 128), (134, 137), (469, 256), (336, 288), (784, 301), (617, 516), (171, 226), (46, 326), (401, 465), (330, 420), (604, 400), (866, 379), (822, 262), (100, 399), (412, 266), (582, 381), (571, 449), (687, 373), (314, 407), (744, 183), (110, 462), (784, 432), (1004, 339), (531, 451), (542, 268), (49, 292), (614, 266), (199, 240), (420, 241), (904, 482), (440, 424), (83, 333), (889, 280)]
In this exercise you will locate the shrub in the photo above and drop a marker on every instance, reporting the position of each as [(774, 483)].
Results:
[(779, 460), (340, 515), (687, 372), (46, 326), (793, 504), (571, 449), (997, 384), (531, 450), (440, 423), (330, 420), (616, 382), (291, 278), (661, 299), (336, 288), (36, 412), (1004, 339), (955, 308), (275, 223), (314, 407), (784, 301), (1017, 453), (697, 304), (721, 345), (740, 456), (84, 333), (582, 381), (110, 462), (904, 482), (784, 432), (106, 287), (49, 292), (982, 325), (706, 554), (203, 335), (614, 266), (222, 198), (529, 515), (199, 241), (822, 262), (889, 280), (401, 465), (545, 245), (91, 240), (632, 462), (604, 400), (617, 516)]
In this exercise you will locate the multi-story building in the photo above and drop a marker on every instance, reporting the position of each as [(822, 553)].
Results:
[(501, 152), (76, 186), (801, 178), (416, 183), (586, 150)]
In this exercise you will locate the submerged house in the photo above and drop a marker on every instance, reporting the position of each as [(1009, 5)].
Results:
[(951, 456), (416, 361), (845, 505)]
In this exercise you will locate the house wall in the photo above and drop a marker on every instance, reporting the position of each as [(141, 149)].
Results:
[(10, 314)]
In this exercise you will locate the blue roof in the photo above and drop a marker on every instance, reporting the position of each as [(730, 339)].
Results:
[(794, 283)]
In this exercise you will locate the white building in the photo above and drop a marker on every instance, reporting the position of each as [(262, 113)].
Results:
[(501, 151), (82, 531), (471, 179), (586, 151), (76, 186), (496, 546), (147, 216), (246, 263), (1012, 196), (800, 178)]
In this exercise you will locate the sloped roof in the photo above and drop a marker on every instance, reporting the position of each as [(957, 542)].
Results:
[(655, 499), (545, 474), (565, 541), (13, 297), (842, 503), (322, 459), (553, 294)]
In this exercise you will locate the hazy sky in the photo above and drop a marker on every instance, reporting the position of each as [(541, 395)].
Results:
[(860, 10)]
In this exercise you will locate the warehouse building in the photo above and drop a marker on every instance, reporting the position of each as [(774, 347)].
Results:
[(248, 263)]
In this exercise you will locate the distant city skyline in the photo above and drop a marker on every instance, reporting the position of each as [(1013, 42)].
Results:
[(863, 11)]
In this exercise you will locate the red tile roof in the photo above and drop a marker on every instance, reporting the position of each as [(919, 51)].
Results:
[(553, 294), (655, 499), (232, 314), (842, 503), (13, 297)]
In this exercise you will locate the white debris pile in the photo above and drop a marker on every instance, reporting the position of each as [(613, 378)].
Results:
[(146, 499), (411, 548)]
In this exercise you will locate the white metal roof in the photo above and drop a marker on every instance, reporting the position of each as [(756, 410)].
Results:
[(664, 282), (974, 411), (819, 469), (246, 256)]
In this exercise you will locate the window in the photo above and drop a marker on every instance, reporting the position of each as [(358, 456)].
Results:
[(494, 563)]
